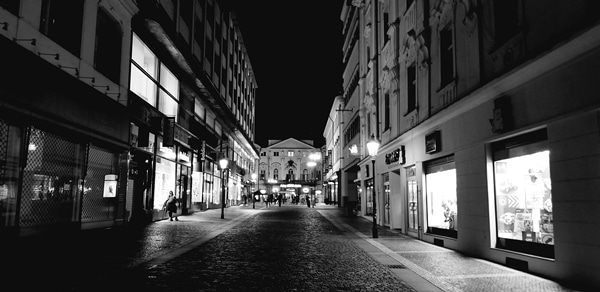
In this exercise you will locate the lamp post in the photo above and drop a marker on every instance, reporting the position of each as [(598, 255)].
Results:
[(223, 164), (373, 147), (253, 194)]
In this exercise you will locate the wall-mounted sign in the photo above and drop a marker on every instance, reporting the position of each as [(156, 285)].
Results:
[(433, 142), (502, 119), (396, 156)]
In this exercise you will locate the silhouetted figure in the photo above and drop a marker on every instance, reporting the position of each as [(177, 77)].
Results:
[(171, 206), (308, 201)]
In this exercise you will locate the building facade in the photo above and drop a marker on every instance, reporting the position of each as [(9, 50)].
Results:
[(486, 112), (291, 169), (109, 105)]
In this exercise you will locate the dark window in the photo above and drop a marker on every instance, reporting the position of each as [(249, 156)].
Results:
[(506, 20), (107, 55), (11, 5), (446, 56), (386, 110), (61, 21), (411, 83), (386, 26)]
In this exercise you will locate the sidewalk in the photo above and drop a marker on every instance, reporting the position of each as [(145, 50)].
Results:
[(427, 267)]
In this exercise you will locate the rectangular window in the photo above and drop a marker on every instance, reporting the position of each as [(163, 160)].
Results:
[(61, 21), (386, 110), (290, 153), (440, 183), (159, 90), (506, 20), (275, 153), (107, 54), (411, 90), (523, 194), (446, 56)]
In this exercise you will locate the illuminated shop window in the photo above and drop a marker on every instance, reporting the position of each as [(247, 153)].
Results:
[(523, 190), (440, 179), (369, 197), (153, 81)]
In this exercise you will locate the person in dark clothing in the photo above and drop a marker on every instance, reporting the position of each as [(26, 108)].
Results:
[(308, 201), (170, 206)]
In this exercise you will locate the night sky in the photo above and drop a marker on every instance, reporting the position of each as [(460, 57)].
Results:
[(295, 48)]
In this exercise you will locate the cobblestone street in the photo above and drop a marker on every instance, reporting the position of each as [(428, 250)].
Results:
[(288, 248), (291, 249)]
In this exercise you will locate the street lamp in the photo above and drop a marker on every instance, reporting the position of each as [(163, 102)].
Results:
[(253, 194), (223, 164), (373, 147)]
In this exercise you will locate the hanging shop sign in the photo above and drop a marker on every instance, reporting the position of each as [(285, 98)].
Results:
[(502, 118), (168, 131), (396, 156), (433, 142)]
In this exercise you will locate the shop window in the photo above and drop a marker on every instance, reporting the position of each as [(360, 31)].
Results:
[(10, 142), (369, 197), (523, 194), (440, 183)]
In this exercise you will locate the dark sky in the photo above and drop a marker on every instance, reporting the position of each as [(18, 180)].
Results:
[(295, 48)]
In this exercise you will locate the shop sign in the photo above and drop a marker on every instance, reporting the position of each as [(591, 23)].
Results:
[(502, 118), (168, 131), (180, 135), (433, 142), (396, 156)]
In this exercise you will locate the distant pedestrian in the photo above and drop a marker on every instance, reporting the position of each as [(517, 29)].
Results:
[(308, 201), (245, 199), (279, 199), (170, 206)]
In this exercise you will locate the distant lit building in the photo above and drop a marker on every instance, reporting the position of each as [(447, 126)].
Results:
[(291, 168), (487, 116), (108, 107)]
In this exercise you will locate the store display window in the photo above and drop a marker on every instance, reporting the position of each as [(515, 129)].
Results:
[(440, 182), (369, 197), (523, 194)]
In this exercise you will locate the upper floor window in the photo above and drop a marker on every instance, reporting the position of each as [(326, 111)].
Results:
[(446, 56), (11, 5), (507, 20), (153, 81), (107, 55), (263, 154), (61, 21), (275, 153), (386, 111), (290, 153), (411, 92), (275, 173)]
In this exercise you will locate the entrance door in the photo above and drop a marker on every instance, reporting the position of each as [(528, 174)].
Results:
[(413, 201)]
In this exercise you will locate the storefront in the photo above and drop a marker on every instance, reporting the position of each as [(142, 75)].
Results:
[(523, 194), (440, 198)]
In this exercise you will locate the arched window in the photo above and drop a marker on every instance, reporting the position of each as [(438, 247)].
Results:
[(276, 173)]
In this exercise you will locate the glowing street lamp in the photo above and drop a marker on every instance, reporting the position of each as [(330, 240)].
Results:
[(372, 148), (223, 164)]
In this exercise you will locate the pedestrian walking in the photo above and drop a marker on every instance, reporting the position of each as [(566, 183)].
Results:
[(308, 201), (170, 206), (279, 199)]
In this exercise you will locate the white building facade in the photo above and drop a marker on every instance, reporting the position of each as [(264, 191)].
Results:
[(486, 112)]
